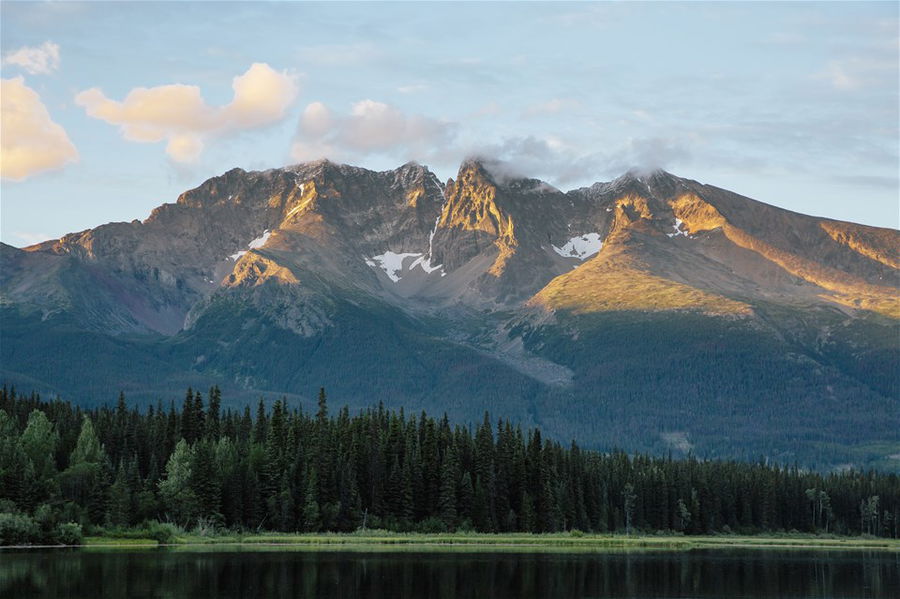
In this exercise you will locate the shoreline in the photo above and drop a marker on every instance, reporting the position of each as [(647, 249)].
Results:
[(479, 542)]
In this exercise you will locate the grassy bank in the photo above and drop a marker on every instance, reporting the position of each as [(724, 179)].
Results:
[(385, 541)]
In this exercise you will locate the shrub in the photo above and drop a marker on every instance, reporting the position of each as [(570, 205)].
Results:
[(207, 526), (69, 533), (18, 529), (162, 532), (432, 525), (46, 519)]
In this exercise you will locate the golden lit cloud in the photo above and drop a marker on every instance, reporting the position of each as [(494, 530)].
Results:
[(179, 115), (30, 142)]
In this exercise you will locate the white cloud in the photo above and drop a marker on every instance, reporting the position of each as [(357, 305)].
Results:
[(648, 153), (30, 142), (316, 120), (547, 158), (37, 60), (179, 115), (563, 163), (375, 126), (370, 128)]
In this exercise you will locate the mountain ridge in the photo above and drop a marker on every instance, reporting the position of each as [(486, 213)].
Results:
[(393, 286)]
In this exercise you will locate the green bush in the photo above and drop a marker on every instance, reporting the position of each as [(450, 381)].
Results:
[(162, 532), (69, 533), (47, 521), (431, 525), (18, 529)]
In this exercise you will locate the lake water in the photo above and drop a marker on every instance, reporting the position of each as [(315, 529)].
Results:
[(276, 572)]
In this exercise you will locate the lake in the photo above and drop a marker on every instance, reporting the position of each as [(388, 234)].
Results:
[(284, 572)]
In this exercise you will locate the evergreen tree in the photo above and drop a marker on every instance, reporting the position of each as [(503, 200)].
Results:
[(204, 481), (189, 418), (119, 508), (212, 426), (80, 482), (311, 522), (447, 495)]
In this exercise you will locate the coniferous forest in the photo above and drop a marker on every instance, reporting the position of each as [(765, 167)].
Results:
[(66, 471)]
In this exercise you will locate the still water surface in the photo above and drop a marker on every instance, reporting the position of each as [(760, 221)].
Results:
[(342, 574)]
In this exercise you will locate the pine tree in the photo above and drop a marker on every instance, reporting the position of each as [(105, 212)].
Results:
[(484, 507), (188, 418), (311, 522), (261, 426), (204, 481), (212, 426), (466, 498), (629, 498), (79, 480), (119, 508), (447, 494)]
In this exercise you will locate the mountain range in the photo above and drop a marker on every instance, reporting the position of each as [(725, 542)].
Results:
[(650, 313)]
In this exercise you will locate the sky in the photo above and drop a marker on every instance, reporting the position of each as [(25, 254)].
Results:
[(110, 109)]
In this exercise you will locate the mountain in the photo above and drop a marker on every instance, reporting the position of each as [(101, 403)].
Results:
[(649, 313)]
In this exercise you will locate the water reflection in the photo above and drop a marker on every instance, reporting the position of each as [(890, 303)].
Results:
[(323, 575)]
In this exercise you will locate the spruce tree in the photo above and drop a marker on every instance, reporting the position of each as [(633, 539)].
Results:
[(311, 522), (204, 481), (447, 493), (212, 426), (119, 508)]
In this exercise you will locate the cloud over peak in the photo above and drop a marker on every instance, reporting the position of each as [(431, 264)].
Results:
[(369, 128), (179, 115)]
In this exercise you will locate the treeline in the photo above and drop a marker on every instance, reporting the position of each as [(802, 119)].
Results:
[(64, 469)]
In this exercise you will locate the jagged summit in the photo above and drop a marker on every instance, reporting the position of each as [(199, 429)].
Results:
[(497, 238)]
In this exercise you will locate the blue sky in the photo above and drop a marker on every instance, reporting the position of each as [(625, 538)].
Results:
[(110, 109)]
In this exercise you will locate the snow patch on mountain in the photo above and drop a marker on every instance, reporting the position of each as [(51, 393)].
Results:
[(253, 245), (581, 247), (392, 264), (425, 263), (678, 231), (260, 241)]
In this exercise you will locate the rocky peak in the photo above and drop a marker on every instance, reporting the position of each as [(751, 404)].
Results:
[(471, 219)]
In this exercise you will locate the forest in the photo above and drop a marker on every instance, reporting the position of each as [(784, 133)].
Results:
[(66, 471)]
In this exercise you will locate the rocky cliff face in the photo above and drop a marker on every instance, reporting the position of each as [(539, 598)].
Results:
[(504, 274), (654, 242)]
